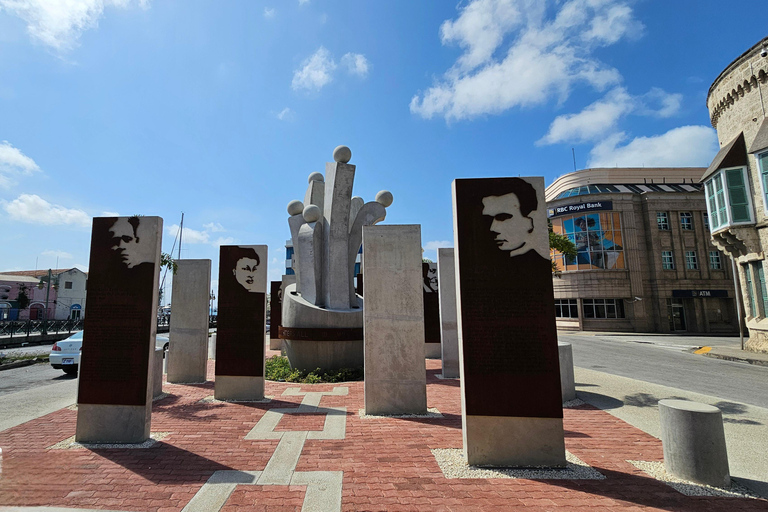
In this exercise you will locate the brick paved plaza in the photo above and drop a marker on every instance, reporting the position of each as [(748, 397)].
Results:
[(296, 459)]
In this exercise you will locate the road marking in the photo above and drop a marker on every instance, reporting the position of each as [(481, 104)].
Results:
[(703, 350)]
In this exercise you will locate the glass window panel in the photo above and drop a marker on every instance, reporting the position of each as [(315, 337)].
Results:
[(616, 220), (599, 310), (568, 225), (605, 221), (593, 222), (557, 226)]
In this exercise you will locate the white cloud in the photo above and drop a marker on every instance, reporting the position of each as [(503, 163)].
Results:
[(214, 227), (188, 235), (110, 214), (13, 163), (517, 56), (225, 240), (356, 64), (302, 2), (58, 254), (591, 123), (437, 244), (601, 117), (269, 13), (194, 236), (60, 23), (286, 114), (34, 209), (685, 146), (315, 72)]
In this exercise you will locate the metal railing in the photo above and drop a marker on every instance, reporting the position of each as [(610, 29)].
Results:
[(12, 330)]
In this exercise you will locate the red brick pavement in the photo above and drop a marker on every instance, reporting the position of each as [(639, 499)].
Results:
[(387, 463)]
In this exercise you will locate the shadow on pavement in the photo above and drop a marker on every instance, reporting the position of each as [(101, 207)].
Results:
[(599, 401), (163, 463)]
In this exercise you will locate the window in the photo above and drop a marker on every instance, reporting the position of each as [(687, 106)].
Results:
[(598, 241), (67, 285), (691, 263), (761, 282), (728, 198), (667, 260), (603, 308), (706, 221), (750, 292), (566, 308), (762, 164), (714, 260), (662, 221), (686, 221)]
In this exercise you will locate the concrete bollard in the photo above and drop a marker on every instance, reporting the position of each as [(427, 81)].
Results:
[(212, 346), (693, 440), (157, 373), (567, 381)]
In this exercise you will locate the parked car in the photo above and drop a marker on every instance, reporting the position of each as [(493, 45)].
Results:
[(65, 354)]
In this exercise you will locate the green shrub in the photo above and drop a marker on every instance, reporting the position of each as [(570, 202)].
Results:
[(279, 369)]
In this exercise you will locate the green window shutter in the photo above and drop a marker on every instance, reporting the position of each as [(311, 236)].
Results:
[(722, 217), (712, 205), (737, 196), (750, 295), (761, 277)]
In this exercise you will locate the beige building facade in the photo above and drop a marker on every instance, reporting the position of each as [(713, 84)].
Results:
[(645, 261), (735, 182)]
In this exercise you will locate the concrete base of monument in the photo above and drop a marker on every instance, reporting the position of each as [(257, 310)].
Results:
[(235, 388), (114, 424), (433, 351), (157, 373), (275, 343), (311, 352), (505, 441), (327, 355)]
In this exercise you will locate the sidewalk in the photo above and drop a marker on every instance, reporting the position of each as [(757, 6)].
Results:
[(735, 354), (308, 448)]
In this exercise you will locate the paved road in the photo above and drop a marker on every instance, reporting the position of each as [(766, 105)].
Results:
[(666, 360), (628, 375), (32, 391)]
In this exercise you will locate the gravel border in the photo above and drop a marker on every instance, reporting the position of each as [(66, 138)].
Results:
[(576, 402), (70, 443), (432, 413), (659, 472), (453, 464), (211, 400)]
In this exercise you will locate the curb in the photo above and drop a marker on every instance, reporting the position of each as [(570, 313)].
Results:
[(756, 362), (20, 364)]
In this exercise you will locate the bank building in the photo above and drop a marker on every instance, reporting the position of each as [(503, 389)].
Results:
[(645, 259)]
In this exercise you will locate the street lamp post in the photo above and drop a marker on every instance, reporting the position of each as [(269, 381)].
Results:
[(211, 298), (43, 281)]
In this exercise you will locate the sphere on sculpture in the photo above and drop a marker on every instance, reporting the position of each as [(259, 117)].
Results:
[(312, 213), (316, 176), (295, 207), (384, 198), (342, 154)]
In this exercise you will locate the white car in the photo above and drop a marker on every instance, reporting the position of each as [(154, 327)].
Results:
[(65, 354)]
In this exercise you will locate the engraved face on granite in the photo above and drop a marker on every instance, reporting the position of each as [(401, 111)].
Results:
[(245, 272), (130, 231), (511, 228), (429, 271)]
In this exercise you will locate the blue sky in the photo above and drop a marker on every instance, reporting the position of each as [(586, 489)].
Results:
[(222, 109)]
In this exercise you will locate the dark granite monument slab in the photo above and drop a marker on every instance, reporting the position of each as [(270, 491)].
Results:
[(114, 390), (431, 310), (275, 313), (506, 322), (241, 323)]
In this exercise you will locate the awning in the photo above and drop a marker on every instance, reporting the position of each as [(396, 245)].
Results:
[(733, 154), (761, 139)]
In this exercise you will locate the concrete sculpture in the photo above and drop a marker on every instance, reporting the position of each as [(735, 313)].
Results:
[(322, 315)]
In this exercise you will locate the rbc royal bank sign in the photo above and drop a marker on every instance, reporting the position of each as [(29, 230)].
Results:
[(579, 208)]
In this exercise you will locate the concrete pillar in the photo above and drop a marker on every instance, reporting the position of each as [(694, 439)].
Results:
[(212, 346), (188, 350), (693, 440), (446, 276), (567, 381), (339, 178), (395, 371), (157, 373)]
